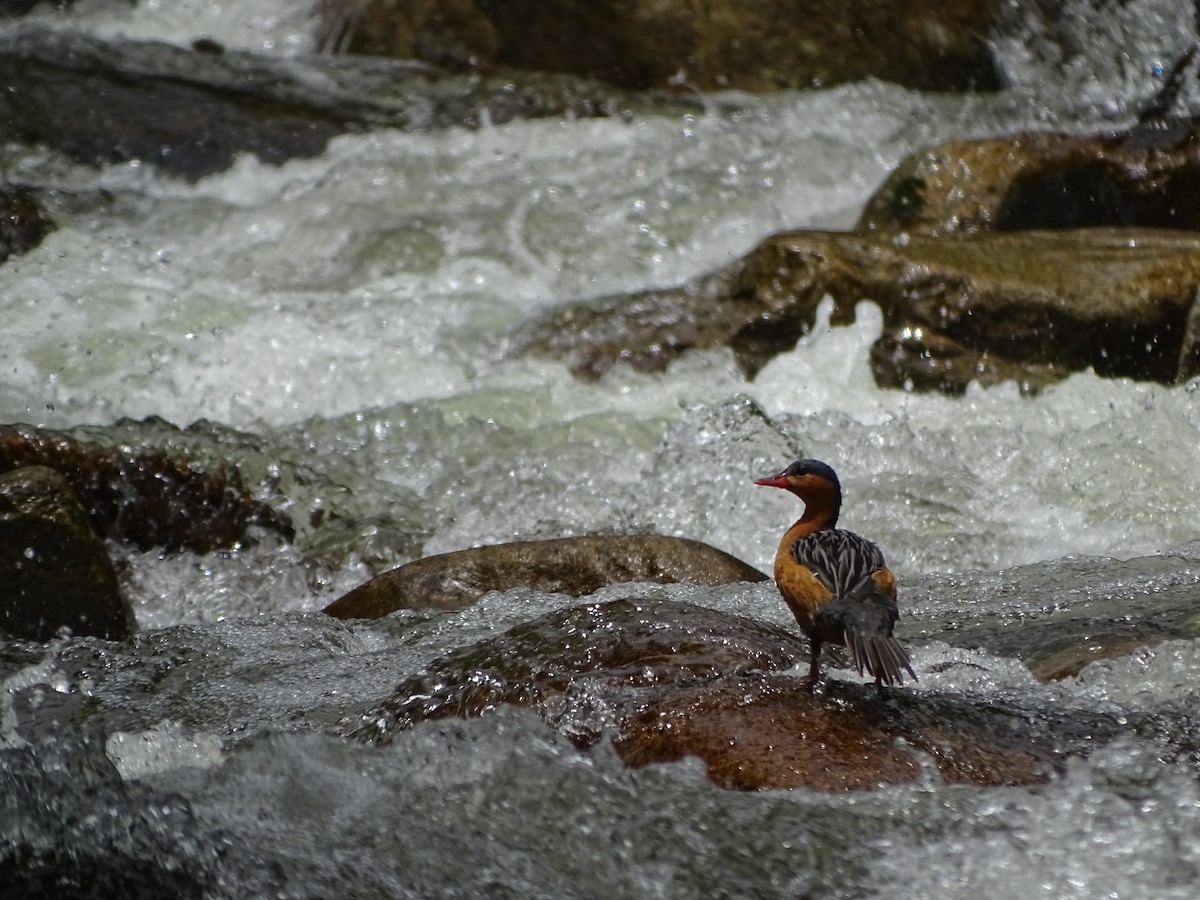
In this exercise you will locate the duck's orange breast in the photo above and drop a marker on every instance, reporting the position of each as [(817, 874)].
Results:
[(804, 595)]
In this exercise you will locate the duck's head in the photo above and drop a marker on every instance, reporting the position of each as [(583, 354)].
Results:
[(810, 480)]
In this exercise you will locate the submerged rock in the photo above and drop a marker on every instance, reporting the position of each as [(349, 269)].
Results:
[(574, 566), (54, 571), (1030, 306), (577, 666), (22, 224), (711, 45), (1112, 608), (668, 680), (148, 498)]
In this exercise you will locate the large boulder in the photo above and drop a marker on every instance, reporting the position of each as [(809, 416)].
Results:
[(1025, 306), (707, 44), (54, 571), (664, 680), (574, 566)]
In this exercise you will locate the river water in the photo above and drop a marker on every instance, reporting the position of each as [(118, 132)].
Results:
[(343, 327)]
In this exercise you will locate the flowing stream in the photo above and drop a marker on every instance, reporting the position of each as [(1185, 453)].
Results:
[(342, 328)]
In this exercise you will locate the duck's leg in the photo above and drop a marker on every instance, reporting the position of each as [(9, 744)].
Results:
[(814, 664)]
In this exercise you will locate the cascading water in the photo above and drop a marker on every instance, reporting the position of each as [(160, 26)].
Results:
[(344, 323)]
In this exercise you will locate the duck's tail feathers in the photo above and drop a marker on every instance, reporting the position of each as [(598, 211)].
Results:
[(881, 656)]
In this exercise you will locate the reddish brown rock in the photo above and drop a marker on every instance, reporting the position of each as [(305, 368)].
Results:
[(669, 680), (54, 571), (1029, 306), (754, 734), (706, 44), (147, 498), (574, 566)]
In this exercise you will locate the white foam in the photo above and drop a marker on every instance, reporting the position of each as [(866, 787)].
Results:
[(278, 26), (163, 748)]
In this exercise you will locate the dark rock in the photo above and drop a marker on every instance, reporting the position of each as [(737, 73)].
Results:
[(54, 571), (1148, 176), (933, 45), (192, 111), (147, 498), (22, 224), (94, 103), (15, 8), (668, 680), (576, 566), (72, 827), (1030, 307), (1113, 608)]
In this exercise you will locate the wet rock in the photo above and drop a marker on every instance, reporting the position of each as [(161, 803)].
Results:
[(574, 566), (1035, 306), (579, 665), (1063, 259), (1030, 307), (709, 45), (668, 680), (759, 306), (148, 497), (22, 223), (54, 571), (192, 111), (757, 733), (1113, 608), (1147, 176), (102, 103)]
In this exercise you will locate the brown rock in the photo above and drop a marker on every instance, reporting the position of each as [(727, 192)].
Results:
[(707, 44), (147, 498), (763, 733), (1029, 306), (760, 306), (575, 566), (54, 570), (1148, 176), (1035, 306), (670, 680)]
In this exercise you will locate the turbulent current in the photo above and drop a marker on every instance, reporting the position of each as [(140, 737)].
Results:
[(343, 328)]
